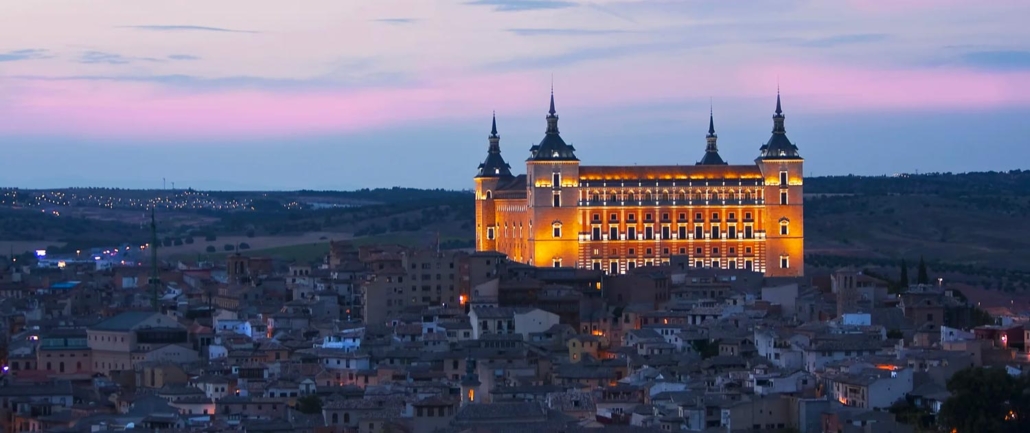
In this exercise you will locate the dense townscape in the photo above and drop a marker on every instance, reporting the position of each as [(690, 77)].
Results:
[(387, 338)]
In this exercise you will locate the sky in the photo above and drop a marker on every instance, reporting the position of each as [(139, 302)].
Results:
[(331, 94)]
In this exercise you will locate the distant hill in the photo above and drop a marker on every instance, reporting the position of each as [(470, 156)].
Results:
[(959, 221)]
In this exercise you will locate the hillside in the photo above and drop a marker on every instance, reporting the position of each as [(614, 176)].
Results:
[(971, 221)]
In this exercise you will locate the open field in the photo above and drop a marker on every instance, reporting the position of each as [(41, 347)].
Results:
[(199, 245)]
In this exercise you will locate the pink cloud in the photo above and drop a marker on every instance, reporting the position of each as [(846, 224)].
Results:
[(149, 110)]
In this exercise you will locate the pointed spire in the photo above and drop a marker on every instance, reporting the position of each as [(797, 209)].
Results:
[(493, 129), (711, 121), (779, 111), (551, 111)]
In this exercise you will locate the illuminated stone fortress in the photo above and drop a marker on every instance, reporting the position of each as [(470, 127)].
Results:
[(617, 218)]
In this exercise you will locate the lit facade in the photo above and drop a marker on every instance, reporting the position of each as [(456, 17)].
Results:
[(616, 218)]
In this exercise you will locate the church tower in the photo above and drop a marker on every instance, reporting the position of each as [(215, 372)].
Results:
[(470, 384), (492, 172), (782, 169), (552, 183)]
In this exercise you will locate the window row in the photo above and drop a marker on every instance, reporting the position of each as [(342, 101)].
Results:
[(667, 216)]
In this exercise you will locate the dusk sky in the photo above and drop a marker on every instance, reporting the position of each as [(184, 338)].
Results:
[(344, 94)]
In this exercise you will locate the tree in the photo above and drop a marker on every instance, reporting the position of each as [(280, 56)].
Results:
[(309, 404), (986, 400), (244, 246), (228, 247), (210, 238), (189, 240), (904, 274), (210, 249), (923, 277)]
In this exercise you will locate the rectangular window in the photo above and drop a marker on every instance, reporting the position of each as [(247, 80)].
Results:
[(784, 262), (490, 233), (597, 217), (783, 178), (631, 265), (631, 217), (783, 197), (648, 217), (783, 229), (732, 232), (595, 234), (747, 250), (597, 266), (683, 232), (666, 233), (715, 251), (556, 263), (613, 267), (632, 251), (631, 233), (683, 216), (556, 180), (613, 217), (699, 232), (699, 264), (665, 217), (732, 216), (697, 251), (715, 232), (733, 264), (647, 251), (715, 216), (556, 231), (749, 265), (748, 233), (557, 200), (649, 233), (613, 233), (715, 263), (698, 217)]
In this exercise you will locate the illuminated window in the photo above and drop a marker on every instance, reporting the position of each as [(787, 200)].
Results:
[(784, 262), (783, 177), (472, 395), (783, 197), (490, 233)]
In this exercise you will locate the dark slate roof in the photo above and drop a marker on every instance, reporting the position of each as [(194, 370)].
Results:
[(494, 165), (711, 158), (552, 147), (124, 321), (778, 146)]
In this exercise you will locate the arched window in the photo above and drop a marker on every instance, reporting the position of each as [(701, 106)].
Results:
[(489, 194), (336, 418), (648, 196), (713, 195), (697, 196), (346, 417), (731, 196)]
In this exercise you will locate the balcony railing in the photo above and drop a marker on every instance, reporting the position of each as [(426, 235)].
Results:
[(637, 202)]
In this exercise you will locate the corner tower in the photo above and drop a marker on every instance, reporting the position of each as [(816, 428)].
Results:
[(552, 183), (782, 169), (711, 149), (492, 172)]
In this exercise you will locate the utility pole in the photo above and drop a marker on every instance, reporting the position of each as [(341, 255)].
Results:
[(155, 279)]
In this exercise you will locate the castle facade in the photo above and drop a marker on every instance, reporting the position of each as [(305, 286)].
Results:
[(617, 218)]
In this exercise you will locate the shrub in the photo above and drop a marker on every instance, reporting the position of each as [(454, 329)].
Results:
[(228, 247), (210, 249), (244, 246)]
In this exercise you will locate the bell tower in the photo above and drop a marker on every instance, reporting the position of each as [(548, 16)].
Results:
[(782, 170)]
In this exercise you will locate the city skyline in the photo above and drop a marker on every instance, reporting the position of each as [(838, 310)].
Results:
[(258, 96)]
